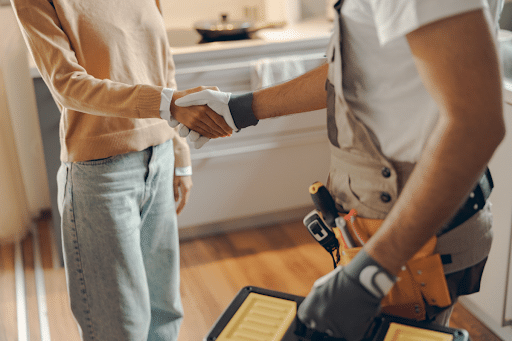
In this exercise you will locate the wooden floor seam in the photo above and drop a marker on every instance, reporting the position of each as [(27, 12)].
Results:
[(282, 257)]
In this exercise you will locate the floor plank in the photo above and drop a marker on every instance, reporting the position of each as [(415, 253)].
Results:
[(462, 318), (60, 318), (30, 288), (8, 330), (283, 257)]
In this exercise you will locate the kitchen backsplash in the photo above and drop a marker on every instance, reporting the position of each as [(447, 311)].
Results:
[(183, 14), (313, 8)]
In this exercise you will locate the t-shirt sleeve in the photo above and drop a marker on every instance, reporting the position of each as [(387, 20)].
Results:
[(396, 18)]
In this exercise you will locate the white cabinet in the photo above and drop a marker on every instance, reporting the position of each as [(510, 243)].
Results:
[(493, 304), (259, 176)]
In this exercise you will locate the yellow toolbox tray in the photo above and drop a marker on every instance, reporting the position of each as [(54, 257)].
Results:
[(258, 314)]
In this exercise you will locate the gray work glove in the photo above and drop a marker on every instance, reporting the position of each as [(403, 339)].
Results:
[(344, 302), (236, 110)]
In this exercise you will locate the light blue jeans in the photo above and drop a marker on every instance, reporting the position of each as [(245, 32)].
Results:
[(121, 247)]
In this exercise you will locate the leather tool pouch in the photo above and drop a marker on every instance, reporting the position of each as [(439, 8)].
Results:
[(422, 281)]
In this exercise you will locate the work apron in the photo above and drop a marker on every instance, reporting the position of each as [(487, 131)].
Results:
[(363, 180)]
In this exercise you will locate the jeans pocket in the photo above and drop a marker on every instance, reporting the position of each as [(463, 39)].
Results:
[(96, 162)]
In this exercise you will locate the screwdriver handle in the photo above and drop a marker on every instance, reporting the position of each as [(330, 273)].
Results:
[(324, 203)]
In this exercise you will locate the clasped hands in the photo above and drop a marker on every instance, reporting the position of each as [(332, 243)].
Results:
[(195, 116), (217, 115)]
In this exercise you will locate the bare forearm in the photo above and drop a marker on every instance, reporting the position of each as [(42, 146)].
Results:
[(451, 164), (463, 77), (302, 94)]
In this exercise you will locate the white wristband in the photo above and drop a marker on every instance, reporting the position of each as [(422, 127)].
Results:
[(183, 171), (165, 106), (370, 274)]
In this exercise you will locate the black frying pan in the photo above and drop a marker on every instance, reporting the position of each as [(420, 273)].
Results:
[(229, 29)]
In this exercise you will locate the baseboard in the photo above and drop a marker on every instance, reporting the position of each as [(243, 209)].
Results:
[(505, 333), (201, 231)]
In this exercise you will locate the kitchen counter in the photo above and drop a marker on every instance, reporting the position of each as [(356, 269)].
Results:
[(304, 37), (310, 35), (312, 30)]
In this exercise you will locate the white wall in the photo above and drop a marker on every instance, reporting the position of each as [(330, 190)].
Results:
[(24, 186), (182, 14), (313, 8)]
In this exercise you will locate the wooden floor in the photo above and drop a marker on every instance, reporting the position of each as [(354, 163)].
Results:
[(283, 258)]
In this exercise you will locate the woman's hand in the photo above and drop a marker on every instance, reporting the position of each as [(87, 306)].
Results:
[(200, 118), (182, 186)]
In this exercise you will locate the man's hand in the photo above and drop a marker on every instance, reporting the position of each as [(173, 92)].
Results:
[(200, 118), (236, 111), (344, 302), (182, 186)]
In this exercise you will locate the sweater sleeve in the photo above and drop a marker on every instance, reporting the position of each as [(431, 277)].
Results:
[(181, 148), (70, 84)]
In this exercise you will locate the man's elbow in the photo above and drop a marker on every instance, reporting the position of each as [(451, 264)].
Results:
[(496, 133), (501, 132)]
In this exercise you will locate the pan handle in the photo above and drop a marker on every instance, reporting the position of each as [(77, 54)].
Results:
[(279, 24)]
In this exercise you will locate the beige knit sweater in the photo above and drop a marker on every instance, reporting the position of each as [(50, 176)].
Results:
[(105, 63)]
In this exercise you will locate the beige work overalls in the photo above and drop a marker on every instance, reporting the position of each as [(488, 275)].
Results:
[(362, 178)]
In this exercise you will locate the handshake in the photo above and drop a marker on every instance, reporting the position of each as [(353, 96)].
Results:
[(230, 112)]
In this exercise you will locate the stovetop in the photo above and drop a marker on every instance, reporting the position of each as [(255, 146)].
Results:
[(189, 37)]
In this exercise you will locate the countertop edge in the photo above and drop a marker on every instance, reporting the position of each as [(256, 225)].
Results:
[(309, 34)]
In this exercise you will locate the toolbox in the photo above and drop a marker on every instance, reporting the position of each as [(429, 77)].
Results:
[(258, 314)]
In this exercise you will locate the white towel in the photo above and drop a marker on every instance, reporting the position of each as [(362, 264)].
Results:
[(270, 71)]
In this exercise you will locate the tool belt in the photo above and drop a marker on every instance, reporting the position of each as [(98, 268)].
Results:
[(473, 204), (422, 280)]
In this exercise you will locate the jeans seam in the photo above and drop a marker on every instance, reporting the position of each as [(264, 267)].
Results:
[(78, 263)]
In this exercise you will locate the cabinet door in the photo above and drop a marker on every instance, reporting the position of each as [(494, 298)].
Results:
[(49, 117), (492, 305), (508, 293), (508, 307)]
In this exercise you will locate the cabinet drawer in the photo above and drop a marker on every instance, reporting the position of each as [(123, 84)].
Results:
[(231, 77)]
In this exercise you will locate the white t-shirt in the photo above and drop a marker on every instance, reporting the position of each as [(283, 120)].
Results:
[(380, 79)]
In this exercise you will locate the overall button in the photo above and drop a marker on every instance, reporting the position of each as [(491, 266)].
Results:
[(385, 197), (386, 172)]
